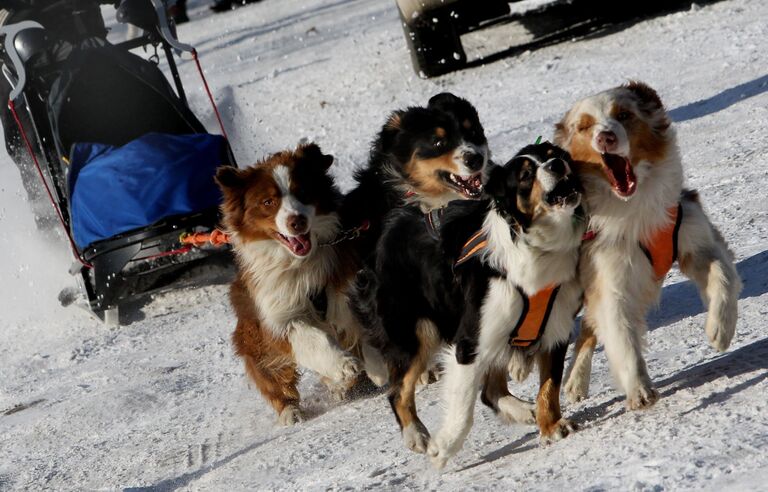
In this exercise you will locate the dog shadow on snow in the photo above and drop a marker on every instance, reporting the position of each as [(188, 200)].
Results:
[(679, 301)]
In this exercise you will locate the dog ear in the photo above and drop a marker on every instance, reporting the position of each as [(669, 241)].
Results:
[(312, 152), (650, 103), (229, 178), (390, 130), (395, 121), (442, 100), (232, 183), (645, 93), (496, 185), (560, 136)]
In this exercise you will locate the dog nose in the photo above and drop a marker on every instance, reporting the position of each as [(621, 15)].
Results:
[(607, 141), (297, 224), (474, 161), (557, 167)]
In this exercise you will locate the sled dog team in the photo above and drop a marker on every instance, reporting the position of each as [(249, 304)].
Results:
[(440, 260)]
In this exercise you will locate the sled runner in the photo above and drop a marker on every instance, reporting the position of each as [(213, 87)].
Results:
[(126, 164)]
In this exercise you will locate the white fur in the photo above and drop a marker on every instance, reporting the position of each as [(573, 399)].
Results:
[(290, 415), (469, 148), (279, 282), (547, 178), (289, 205), (618, 278), (416, 437), (514, 410), (577, 378), (532, 263), (316, 350)]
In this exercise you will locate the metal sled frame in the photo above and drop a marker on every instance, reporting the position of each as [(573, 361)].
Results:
[(138, 262)]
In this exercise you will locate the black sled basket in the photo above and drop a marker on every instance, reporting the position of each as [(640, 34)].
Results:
[(102, 93)]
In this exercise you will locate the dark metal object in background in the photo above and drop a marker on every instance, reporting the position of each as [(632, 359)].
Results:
[(434, 28)]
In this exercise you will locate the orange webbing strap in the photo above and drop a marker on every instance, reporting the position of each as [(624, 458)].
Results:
[(533, 319), (474, 246), (215, 237), (661, 249)]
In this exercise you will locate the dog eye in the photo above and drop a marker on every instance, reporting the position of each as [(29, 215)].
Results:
[(438, 143), (584, 128), (624, 116), (525, 175), (268, 202)]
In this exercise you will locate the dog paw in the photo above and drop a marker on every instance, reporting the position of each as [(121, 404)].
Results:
[(519, 367), (440, 450), (719, 336), (290, 415), (338, 391), (380, 380), (576, 388), (347, 370), (429, 376), (641, 398), (513, 410), (416, 437), (560, 430)]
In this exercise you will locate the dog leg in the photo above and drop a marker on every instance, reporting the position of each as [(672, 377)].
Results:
[(375, 365), (552, 425), (431, 375), (622, 330), (579, 373), (276, 378), (520, 365), (460, 387), (508, 407), (402, 396), (706, 260), (316, 350)]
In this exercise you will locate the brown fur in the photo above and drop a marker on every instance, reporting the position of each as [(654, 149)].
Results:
[(423, 174), (251, 203), (648, 141), (268, 360), (404, 403)]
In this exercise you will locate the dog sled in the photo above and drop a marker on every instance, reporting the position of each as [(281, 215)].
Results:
[(125, 163), (436, 30)]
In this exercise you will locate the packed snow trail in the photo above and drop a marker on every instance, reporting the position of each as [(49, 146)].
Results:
[(162, 403)]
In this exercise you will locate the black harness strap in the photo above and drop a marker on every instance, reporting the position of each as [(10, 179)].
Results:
[(433, 220)]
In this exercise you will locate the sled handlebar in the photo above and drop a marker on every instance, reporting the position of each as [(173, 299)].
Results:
[(10, 32)]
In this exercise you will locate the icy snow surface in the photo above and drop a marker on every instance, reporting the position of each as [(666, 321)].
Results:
[(162, 403)]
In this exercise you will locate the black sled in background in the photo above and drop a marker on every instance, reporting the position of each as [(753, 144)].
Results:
[(434, 28), (127, 166)]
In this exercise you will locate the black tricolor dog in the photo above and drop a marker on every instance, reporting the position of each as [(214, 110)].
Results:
[(425, 156), (501, 278)]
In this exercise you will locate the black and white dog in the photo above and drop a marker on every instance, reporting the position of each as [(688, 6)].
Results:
[(500, 277)]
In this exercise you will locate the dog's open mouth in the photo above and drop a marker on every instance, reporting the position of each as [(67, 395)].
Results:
[(620, 174), (298, 245), (469, 186)]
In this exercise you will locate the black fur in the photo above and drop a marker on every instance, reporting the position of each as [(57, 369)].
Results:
[(380, 186), (414, 275)]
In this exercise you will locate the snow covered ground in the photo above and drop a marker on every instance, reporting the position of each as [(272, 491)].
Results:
[(162, 403)]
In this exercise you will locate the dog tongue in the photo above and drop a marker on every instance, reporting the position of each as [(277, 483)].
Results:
[(300, 245), (621, 174)]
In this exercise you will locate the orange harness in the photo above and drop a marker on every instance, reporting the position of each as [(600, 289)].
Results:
[(661, 249), (215, 237), (536, 308)]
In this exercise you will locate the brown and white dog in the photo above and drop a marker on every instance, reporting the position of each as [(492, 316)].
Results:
[(289, 294), (640, 220)]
